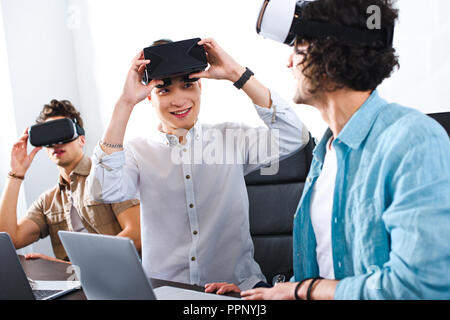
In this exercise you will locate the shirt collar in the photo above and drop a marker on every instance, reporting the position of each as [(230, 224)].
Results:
[(359, 125), (172, 140), (357, 128), (82, 169)]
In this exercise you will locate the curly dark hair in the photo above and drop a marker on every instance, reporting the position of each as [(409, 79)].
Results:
[(62, 108), (330, 64)]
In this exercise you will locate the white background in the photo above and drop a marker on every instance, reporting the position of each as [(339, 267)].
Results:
[(81, 50)]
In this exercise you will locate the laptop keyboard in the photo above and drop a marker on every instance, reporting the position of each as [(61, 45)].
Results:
[(42, 294)]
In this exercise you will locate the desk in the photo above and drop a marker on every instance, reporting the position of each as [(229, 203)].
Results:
[(40, 269)]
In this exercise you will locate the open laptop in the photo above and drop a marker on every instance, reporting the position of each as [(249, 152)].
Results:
[(14, 284), (109, 268)]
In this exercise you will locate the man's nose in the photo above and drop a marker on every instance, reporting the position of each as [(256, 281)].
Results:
[(179, 102)]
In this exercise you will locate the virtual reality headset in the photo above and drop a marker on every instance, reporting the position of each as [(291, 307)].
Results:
[(174, 59), (281, 20), (54, 132)]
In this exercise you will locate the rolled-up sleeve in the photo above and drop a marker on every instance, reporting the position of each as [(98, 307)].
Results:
[(418, 221), (113, 178), (36, 214), (283, 134)]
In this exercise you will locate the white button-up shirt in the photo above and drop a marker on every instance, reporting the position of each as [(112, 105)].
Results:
[(194, 202)]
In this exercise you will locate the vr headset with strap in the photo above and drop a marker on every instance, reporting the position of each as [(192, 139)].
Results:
[(54, 132), (281, 20)]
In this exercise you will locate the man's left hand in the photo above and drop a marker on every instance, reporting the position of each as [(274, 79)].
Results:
[(222, 65)]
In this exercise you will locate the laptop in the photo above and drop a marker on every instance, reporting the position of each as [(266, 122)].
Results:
[(109, 268), (14, 284)]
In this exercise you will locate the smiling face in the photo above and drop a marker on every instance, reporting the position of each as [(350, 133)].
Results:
[(67, 154), (177, 105)]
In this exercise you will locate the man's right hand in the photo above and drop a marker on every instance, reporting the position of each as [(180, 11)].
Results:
[(20, 159), (134, 91)]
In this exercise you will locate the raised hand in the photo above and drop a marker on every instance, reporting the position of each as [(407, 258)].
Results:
[(134, 91), (222, 65), (20, 159)]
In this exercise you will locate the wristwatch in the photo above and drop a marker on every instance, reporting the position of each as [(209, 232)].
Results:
[(244, 78)]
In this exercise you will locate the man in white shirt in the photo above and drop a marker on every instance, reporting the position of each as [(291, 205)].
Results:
[(194, 203)]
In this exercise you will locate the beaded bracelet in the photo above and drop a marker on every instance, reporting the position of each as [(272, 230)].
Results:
[(112, 146)]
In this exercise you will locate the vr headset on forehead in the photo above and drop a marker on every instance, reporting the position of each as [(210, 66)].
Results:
[(54, 132), (281, 20), (174, 59)]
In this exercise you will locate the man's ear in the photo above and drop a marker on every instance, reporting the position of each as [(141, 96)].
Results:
[(82, 140)]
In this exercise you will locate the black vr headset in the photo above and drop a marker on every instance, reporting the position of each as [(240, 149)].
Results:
[(281, 20), (174, 59), (54, 132)]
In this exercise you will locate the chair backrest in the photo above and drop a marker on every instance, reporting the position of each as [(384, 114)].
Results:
[(273, 203), (443, 119)]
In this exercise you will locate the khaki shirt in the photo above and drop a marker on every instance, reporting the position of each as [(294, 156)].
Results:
[(51, 211)]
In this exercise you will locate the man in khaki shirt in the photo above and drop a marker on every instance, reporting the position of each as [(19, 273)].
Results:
[(66, 206)]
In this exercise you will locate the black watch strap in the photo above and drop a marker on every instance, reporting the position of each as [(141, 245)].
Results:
[(244, 78)]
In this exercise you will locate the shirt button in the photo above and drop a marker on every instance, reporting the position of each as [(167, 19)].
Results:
[(195, 232), (188, 177), (191, 206), (308, 179), (339, 264), (335, 220), (193, 259)]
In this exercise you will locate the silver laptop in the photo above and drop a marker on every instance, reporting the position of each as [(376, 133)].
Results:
[(14, 284), (109, 268)]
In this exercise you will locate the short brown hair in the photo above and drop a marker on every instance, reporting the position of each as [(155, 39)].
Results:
[(62, 108), (331, 64), (160, 42)]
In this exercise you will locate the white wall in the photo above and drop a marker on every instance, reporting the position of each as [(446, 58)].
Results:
[(7, 120), (120, 29), (422, 40), (41, 63)]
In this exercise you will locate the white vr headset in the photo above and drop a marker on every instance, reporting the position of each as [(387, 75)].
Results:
[(281, 20)]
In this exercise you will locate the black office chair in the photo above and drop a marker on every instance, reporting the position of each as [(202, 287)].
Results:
[(273, 203), (443, 119)]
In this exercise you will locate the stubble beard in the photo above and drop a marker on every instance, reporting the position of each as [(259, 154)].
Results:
[(299, 97)]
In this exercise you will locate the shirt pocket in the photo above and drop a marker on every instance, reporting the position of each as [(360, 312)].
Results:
[(100, 214), (55, 218), (56, 221)]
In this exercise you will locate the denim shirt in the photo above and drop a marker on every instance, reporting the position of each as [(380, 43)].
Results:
[(391, 207)]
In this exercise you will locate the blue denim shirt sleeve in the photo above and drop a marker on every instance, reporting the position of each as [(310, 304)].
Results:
[(417, 221)]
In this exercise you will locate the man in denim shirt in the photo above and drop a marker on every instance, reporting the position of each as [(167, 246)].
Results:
[(374, 218)]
